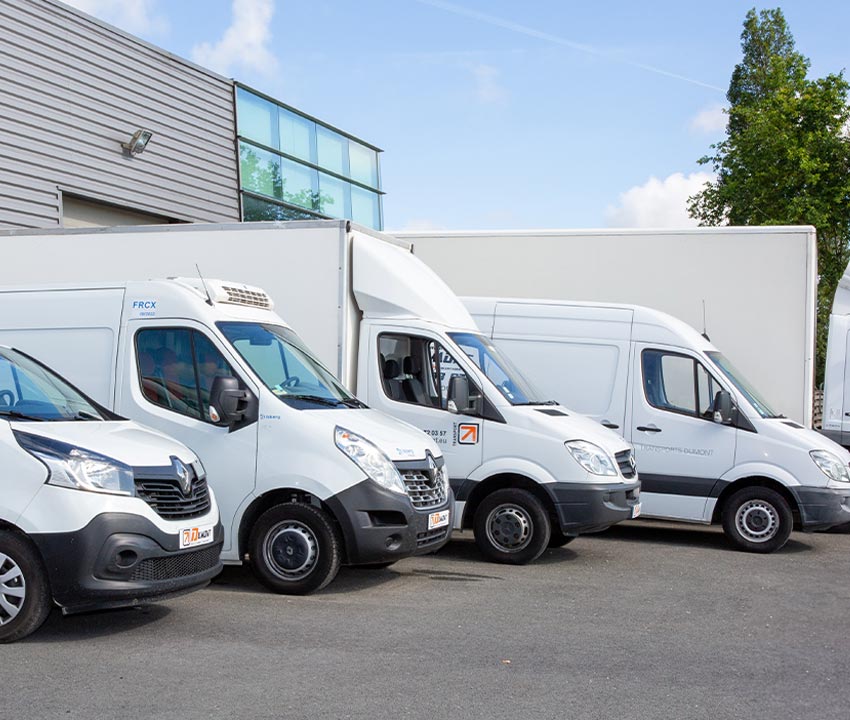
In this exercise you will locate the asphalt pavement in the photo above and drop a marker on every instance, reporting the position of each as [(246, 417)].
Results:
[(647, 620)]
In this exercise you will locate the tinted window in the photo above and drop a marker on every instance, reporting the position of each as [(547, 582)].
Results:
[(177, 367), (678, 383)]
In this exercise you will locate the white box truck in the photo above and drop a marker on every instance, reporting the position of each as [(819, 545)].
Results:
[(708, 446), (758, 285), (836, 388), (305, 477), (95, 511), (526, 474)]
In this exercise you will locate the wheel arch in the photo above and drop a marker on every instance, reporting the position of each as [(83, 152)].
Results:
[(281, 496), (501, 481), (756, 481)]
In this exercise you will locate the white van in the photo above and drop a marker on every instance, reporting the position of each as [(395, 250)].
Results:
[(709, 448), (306, 476), (95, 511)]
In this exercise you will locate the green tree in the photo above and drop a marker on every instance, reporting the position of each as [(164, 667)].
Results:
[(786, 156)]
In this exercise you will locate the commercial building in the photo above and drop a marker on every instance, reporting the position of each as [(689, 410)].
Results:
[(79, 97)]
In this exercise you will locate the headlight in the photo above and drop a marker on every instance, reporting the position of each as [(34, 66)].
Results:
[(831, 465), (73, 467), (370, 460), (591, 457)]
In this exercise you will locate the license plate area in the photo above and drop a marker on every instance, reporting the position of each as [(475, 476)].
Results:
[(195, 536), (438, 519), (636, 510)]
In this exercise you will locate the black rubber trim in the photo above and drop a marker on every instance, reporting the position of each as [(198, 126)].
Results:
[(682, 485), (368, 541), (84, 576), (822, 508), (592, 507)]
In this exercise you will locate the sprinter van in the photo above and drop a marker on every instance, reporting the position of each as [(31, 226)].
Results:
[(527, 474), (306, 476), (95, 511), (709, 448)]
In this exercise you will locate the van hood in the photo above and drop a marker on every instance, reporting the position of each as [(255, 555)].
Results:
[(124, 441), (556, 420), (795, 435), (397, 439)]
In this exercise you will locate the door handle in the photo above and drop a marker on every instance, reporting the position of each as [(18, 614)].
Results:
[(609, 424), (649, 428), (847, 414)]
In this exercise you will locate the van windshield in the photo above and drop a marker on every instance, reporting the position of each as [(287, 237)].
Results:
[(285, 365), (742, 384), (31, 392), (499, 370)]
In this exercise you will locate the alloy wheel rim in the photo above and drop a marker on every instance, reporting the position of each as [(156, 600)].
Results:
[(757, 521), (509, 528), (291, 550), (13, 589)]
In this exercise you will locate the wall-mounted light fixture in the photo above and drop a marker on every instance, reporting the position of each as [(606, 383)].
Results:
[(138, 142)]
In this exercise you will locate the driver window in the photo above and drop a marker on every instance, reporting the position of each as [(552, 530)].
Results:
[(678, 383), (417, 370)]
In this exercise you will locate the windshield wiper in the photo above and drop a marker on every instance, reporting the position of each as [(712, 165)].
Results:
[(330, 402), (354, 403), (83, 415), (539, 402), (15, 415)]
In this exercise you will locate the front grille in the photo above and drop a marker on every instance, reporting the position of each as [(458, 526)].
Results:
[(424, 491), (431, 537), (176, 566), (241, 296), (624, 461), (169, 502)]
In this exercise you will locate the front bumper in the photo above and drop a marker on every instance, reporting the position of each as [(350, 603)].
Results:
[(587, 508), (823, 508), (379, 525), (120, 560)]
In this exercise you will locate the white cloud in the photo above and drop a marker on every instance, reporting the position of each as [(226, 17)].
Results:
[(710, 120), (245, 43), (658, 203), (135, 16), (488, 89)]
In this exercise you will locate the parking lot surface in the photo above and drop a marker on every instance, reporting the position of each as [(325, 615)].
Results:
[(648, 620)]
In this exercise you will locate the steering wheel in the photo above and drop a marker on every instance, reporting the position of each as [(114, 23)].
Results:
[(7, 398), (291, 382)]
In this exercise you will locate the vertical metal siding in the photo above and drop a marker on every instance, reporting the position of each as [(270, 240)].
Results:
[(72, 89)]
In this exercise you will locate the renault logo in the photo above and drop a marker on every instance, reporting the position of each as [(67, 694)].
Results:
[(632, 460), (432, 469), (184, 476)]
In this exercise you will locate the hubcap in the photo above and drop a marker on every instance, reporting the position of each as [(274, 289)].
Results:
[(757, 521), (291, 550), (509, 528), (13, 589)]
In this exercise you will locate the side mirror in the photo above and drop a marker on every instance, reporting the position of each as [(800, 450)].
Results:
[(458, 394), (228, 402), (723, 407)]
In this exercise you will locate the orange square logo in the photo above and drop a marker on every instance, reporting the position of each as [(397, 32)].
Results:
[(467, 434)]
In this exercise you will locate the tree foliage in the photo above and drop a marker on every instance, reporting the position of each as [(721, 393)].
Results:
[(786, 156)]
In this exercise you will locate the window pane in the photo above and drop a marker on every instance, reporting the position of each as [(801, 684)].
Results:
[(708, 388), (256, 210), (260, 171), (296, 135), (256, 118), (333, 194), (364, 208), (166, 370), (678, 373), (211, 364), (299, 184), (332, 149), (364, 164)]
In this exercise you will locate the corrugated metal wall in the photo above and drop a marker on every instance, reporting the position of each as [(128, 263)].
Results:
[(72, 89)]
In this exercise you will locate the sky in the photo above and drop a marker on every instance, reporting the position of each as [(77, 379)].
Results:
[(496, 114)]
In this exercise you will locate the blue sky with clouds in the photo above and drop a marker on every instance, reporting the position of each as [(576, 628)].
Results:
[(497, 114)]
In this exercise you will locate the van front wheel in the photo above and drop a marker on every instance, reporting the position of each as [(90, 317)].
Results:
[(295, 549), (511, 526), (24, 588), (757, 519)]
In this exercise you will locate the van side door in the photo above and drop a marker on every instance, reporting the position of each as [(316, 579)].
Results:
[(680, 451), (171, 365)]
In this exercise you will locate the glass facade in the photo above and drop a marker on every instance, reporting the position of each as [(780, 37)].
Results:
[(293, 167)]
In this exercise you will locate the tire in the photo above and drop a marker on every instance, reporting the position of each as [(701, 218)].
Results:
[(558, 539), (757, 519), (25, 598), (511, 527), (295, 549), (375, 566)]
